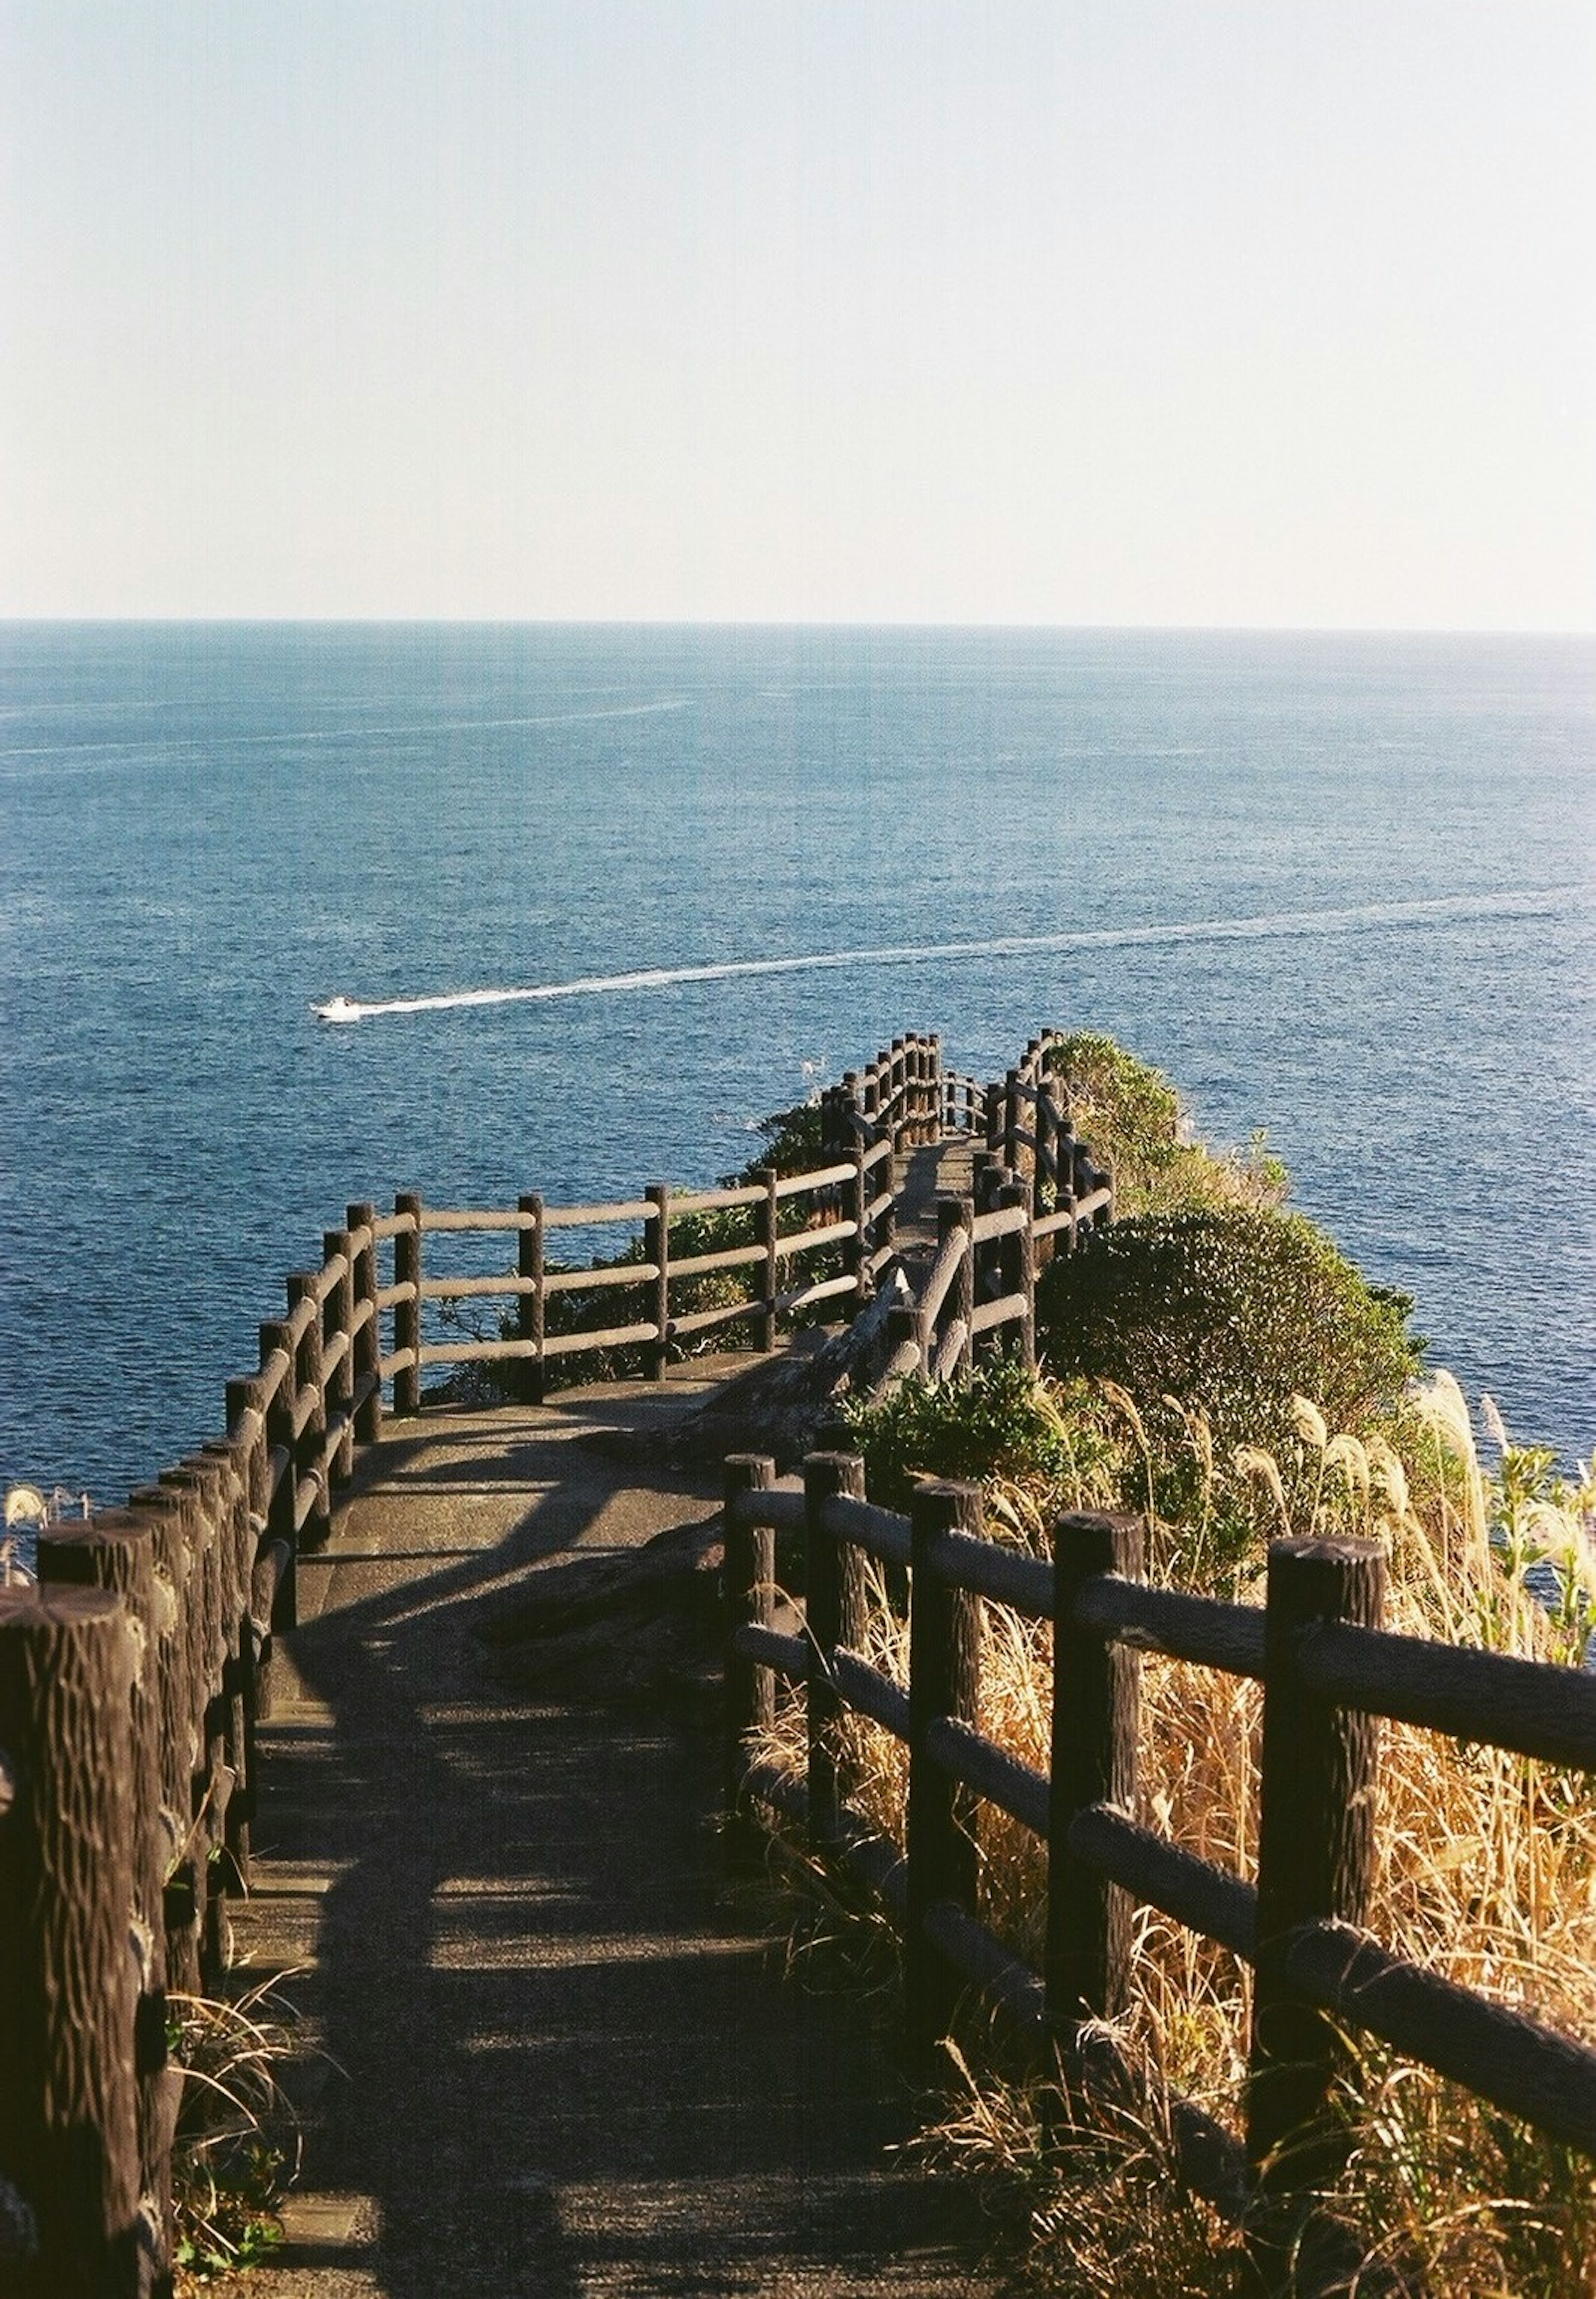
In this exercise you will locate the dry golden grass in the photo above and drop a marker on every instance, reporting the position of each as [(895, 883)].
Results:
[(1487, 1868)]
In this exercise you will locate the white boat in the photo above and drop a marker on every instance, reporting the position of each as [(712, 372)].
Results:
[(337, 1009)]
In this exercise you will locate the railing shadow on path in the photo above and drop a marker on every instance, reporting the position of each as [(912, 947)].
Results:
[(567, 2064)]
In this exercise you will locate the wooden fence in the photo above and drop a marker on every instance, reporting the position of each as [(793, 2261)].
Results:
[(1328, 1672), (128, 1762)]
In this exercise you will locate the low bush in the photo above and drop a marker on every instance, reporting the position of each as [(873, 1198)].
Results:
[(1232, 1312), (1130, 1118)]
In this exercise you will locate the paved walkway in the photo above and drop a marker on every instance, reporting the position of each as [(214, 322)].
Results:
[(569, 2062)]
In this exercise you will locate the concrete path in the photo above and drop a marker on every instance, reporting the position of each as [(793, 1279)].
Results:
[(940, 1169), (569, 2062)]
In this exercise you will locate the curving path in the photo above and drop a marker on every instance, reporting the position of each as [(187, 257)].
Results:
[(570, 2061)]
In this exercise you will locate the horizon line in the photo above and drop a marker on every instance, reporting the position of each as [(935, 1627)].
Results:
[(795, 623)]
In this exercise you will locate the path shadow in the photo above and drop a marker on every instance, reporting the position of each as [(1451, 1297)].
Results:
[(568, 2066)]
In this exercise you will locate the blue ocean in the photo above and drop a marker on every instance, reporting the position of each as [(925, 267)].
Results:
[(1338, 886)]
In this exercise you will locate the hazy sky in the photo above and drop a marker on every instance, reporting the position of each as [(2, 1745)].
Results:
[(1081, 312)]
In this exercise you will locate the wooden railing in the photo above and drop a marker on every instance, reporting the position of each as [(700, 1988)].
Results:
[(128, 1764), (1329, 1671)]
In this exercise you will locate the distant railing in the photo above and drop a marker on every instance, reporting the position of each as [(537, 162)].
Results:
[(1328, 1672)]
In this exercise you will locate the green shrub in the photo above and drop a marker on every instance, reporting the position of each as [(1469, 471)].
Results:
[(1000, 1423), (1129, 1116), (1232, 1312)]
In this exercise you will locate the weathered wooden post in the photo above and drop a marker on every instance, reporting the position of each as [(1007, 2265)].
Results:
[(1018, 1265), (1010, 1143), (750, 1585), (69, 2085), (959, 1214), (174, 1569), (835, 1579), (246, 1422), (530, 1375), (1096, 1695), (115, 1551), (656, 1248), (338, 1353), (767, 1228), (1317, 1785), (309, 1451), (856, 1254), (368, 1336), (944, 1673), (933, 1109), (237, 1677), (407, 1306), (282, 1524), (199, 1480), (985, 1254)]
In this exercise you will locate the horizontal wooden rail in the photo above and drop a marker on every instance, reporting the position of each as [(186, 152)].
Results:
[(1006, 1575), (438, 1218), (1015, 1788), (865, 1688), (1193, 1891), (1009, 1309), (470, 1288), (1473, 1695), (1169, 1622), (1508, 2058), (881, 1532)]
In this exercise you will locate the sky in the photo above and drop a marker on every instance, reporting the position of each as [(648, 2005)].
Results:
[(1090, 312)]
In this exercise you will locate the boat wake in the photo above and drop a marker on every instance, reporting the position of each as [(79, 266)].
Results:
[(1274, 926)]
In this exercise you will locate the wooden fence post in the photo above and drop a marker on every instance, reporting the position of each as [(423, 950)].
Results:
[(766, 1227), (69, 2087), (407, 1312), (985, 1257), (198, 1481), (1316, 1859), (1097, 1693), (750, 1585), (656, 1247), (115, 1551), (959, 1214), (175, 1568), (310, 1449), (338, 1318), (834, 1582), (245, 1412), (281, 1513), (944, 1671), (531, 1376), (1017, 1262), (238, 1663), (368, 1339), (856, 1254)]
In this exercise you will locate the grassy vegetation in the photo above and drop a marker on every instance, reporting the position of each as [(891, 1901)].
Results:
[(1217, 1364), (235, 2150)]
